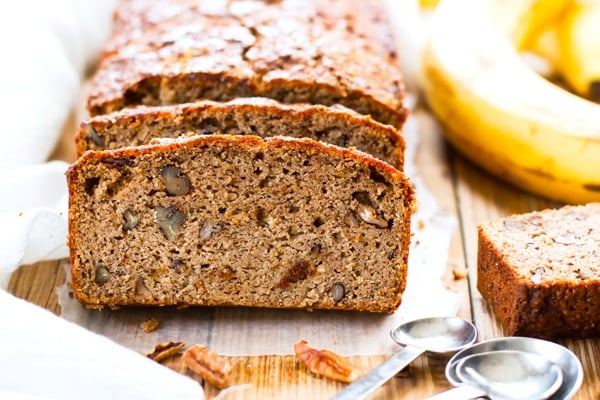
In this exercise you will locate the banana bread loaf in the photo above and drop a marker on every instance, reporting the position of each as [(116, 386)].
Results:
[(295, 51), (238, 220), (540, 272), (258, 116)]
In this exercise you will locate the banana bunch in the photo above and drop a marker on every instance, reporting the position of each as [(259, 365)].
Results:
[(498, 111)]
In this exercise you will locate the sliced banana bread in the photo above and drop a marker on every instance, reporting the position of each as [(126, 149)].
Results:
[(295, 51), (238, 220), (540, 271), (257, 116)]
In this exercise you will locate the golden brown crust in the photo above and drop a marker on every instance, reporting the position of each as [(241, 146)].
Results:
[(176, 51), (259, 116), (105, 180), (540, 272)]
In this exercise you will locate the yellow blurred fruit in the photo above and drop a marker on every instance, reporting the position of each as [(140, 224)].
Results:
[(579, 46), (500, 113)]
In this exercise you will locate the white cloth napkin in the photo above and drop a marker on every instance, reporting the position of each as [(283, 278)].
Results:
[(46, 46), (45, 356), (33, 208)]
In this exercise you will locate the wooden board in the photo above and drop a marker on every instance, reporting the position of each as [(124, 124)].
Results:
[(462, 190)]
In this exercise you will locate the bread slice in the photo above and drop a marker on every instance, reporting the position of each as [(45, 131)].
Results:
[(540, 272), (257, 116), (238, 220), (295, 51)]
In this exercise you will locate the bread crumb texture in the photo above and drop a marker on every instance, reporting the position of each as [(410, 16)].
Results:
[(239, 220)]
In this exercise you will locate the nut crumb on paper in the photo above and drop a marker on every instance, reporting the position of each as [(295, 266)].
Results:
[(150, 325), (458, 274)]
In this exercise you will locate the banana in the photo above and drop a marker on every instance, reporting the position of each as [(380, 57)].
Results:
[(546, 45), (524, 21), (579, 46), (428, 3), (500, 113)]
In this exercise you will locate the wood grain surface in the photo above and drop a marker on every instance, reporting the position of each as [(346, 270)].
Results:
[(461, 189)]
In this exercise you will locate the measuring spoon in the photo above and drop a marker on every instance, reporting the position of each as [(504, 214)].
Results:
[(559, 355), (437, 335), (505, 375)]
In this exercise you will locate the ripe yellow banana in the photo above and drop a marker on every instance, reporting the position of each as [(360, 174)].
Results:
[(500, 113), (579, 45)]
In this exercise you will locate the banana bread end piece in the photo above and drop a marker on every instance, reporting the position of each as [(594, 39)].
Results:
[(540, 272)]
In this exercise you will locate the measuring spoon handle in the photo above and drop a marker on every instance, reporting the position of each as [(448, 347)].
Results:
[(366, 385), (459, 393)]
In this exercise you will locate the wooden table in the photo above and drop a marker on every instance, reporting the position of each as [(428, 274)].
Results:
[(462, 190)]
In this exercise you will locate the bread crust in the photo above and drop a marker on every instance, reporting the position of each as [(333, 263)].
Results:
[(177, 51)]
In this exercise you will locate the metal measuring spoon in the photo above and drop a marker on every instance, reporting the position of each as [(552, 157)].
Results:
[(505, 375), (565, 359), (437, 335)]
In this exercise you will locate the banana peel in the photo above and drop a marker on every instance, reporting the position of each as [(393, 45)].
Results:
[(501, 114)]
